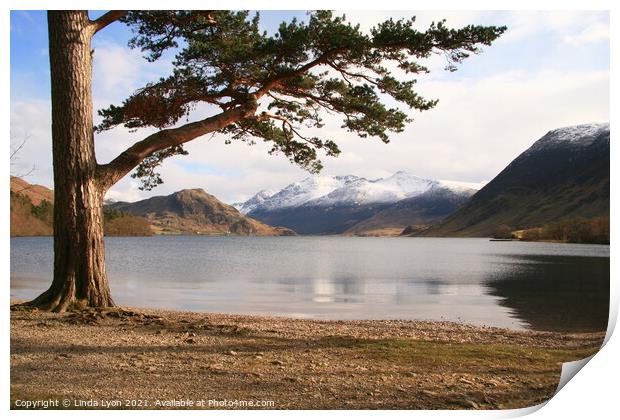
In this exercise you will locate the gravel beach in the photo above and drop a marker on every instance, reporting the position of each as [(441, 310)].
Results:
[(138, 358)]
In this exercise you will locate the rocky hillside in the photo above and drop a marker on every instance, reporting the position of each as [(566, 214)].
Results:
[(193, 211), (563, 175)]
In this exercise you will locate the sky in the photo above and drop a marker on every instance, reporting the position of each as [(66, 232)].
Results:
[(549, 70)]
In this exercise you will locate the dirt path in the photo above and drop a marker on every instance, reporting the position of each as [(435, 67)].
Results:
[(145, 358)]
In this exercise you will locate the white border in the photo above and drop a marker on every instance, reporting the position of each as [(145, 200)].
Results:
[(592, 394)]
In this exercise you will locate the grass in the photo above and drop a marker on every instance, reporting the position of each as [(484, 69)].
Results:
[(431, 355)]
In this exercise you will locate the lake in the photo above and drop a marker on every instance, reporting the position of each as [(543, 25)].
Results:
[(520, 285)]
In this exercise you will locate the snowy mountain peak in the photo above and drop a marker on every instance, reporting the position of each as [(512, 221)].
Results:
[(308, 189), (383, 190), (350, 190), (579, 131), (577, 135), (255, 201), (460, 186), (407, 183)]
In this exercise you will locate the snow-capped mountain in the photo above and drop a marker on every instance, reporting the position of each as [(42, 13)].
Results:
[(460, 186), (307, 190), (564, 175), (333, 204), (257, 200), (576, 136), (325, 191), (397, 187), (418, 211)]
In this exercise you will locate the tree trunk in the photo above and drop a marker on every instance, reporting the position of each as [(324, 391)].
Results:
[(79, 255)]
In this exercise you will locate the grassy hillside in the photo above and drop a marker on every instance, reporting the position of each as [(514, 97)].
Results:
[(35, 193), (552, 181), (32, 213), (28, 219), (116, 223)]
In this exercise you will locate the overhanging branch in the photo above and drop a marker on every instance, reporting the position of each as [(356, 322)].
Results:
[(106, 19), (112, 172)]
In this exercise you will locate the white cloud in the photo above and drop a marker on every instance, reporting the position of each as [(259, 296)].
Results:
[(118, 71), (115, 68), (368, 19), (31, 121), (127, 194), (564, 23), (590, 35)]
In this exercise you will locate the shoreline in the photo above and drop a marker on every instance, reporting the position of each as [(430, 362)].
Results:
[(491, 239), (126, 354)]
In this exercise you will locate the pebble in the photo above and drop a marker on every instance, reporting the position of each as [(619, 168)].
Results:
[(472, 404)]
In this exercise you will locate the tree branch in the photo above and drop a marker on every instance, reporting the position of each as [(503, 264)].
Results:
[(356, 76), (112, 172), (106, 19), (272, 82)]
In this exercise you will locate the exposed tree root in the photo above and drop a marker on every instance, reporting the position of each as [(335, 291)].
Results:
[(62, 302)]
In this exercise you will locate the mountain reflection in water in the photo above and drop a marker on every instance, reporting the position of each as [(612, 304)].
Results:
[(555, 293)]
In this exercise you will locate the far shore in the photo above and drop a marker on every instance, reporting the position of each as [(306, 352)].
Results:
[(143, 358), (373, 235)]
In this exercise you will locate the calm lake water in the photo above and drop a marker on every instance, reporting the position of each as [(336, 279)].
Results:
[(542, 286)]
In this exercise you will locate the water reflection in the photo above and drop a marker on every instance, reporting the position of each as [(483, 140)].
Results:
[(540, 286), (555, 293)]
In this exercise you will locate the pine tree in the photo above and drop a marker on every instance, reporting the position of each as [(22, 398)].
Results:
[(263, 87)]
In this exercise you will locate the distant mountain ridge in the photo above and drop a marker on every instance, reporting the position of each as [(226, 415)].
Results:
[(424, 209), (335, 205), (321, 190), (563, 175), (193, 211)]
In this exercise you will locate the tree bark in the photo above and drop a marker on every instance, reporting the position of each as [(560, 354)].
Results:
[(79, 254)]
